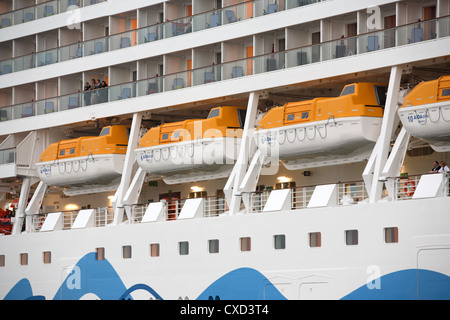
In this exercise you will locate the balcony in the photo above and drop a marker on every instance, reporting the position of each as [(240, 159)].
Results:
[(401, 36)]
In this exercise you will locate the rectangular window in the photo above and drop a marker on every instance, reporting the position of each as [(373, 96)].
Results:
[(246, 244), (126, 252), (2, 260), (445, 92), (305, 115), (165, 136), (315, 239), (47, 257), (24, 259), (391, 235), (183, 247), (351, 237), (290, 117), (279, 241), (100, 253), (213, 246), (62, 152), (72, 151), (154, 250)]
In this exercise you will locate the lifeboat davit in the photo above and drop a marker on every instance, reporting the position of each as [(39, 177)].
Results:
[(425, 113), (85, 164), (193, 150), (324, 131)]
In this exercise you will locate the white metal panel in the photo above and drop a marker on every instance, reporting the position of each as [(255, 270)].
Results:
[(53, 221)]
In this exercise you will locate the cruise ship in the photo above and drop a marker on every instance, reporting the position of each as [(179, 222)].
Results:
[(224, 149)]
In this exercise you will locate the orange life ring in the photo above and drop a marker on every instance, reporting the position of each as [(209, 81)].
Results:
[(409, 191)]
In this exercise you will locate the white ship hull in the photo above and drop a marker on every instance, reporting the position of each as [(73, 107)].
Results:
[(416, 267), (429, 122)]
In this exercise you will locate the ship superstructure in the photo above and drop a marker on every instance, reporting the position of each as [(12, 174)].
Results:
[(224, 149)]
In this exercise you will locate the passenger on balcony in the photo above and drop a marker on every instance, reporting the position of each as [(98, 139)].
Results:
[(436, 167), (87, 94), (444, 167)]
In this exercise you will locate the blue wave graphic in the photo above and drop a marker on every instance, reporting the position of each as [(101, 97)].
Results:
[(100, 278), (409, 284)]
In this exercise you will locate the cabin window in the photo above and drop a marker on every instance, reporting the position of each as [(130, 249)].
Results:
[(315, 239), (24, 259), (445, 92), (154, 250), (100, 253), (105, 131), (348, 90), (279, 241), (290, 117), (165, 136), (351, 237), (183, 247), (126, 252), (213, 246), (2, 260), (246, 244), (305, 115), (47, 257), (62, 152), (214, 113), (391, 235)]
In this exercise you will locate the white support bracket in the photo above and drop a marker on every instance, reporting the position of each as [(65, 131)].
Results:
[(378, 159), (24, 194), (119, 197), (34, 205), (232, 189)]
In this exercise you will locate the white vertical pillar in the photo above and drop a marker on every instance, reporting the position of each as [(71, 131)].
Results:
[(127, 169), (382, 146), (247, 142)]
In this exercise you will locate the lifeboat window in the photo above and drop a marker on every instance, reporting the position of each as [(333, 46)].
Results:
[(305, 115), (183, 247), (391, 235), (214, 113), (176, 134), (154, 250), (279, 241), (2, 260), (62, 152), (105, 131), (241, 115), (213, 246), (165, 136), (446, 92), (72, 151), (380, 93), (348, 90), (290, 117)]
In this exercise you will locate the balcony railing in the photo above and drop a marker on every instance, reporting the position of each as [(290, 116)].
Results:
[(348, 193), (335, 49), (139, 36), (42, 10)]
